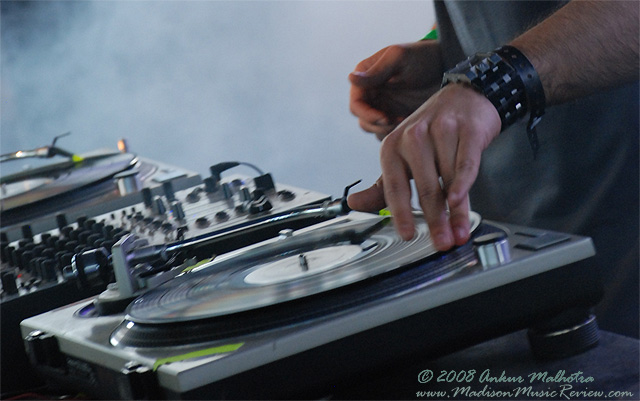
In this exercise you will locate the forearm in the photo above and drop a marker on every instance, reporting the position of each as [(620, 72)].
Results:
[(584, 47)]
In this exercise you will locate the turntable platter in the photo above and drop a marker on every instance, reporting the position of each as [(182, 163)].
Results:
[(43, 183), (285, 270)]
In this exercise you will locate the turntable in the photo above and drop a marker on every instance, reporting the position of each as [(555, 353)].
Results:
[(313, 308), (87, 184), (87, 202)]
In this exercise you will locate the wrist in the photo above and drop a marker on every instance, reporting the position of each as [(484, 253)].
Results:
[(509, 81)]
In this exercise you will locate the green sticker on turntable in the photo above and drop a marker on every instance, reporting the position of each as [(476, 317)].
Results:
[(223, 349), (200, 263)]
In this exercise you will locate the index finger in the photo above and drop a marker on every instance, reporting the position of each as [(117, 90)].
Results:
[(362, 109), (397, 190)]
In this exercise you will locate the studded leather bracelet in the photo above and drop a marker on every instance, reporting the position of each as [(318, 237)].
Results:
[(509, 81)]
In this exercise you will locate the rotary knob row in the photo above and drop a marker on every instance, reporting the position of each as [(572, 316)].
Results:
[(45, 258)]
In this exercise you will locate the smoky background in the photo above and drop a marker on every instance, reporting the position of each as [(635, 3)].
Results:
[(194, 83)]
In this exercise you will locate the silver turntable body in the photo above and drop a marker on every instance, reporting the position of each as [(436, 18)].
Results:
[(54, 215), (309, 308)]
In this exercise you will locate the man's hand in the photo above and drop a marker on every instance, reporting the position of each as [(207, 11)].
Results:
[(442, 141), (394, 82)]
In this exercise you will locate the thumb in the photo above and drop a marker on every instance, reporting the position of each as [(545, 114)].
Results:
[(378, 69), (368, 200)]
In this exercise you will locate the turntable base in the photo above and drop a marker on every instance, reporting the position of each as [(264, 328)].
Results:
[(319, 351)]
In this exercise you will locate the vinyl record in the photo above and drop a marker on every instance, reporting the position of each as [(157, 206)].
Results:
[(286, 269)]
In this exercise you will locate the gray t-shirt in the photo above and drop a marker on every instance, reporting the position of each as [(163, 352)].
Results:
[(585, 178)]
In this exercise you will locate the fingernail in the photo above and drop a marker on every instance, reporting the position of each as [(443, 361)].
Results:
[(406, 231), (443, 241), (382, 121), (461, 233)]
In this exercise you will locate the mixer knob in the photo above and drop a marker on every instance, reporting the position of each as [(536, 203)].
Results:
[(492, 249), (158, 206), (222, 216), (107, 231), (4, 244), (58, 257), (257, 194), (194, 196), (210, 185), (73, 234), (226, 191), (6, 254), (48, 253), (202, 222), (80, 220), (264, 182), (88, 223), (36, 267), (94, 239), (147, 197), (260, 205), (97, 228), (26, 232), (26, 259), (51, 241), (245, 194), (167, 186), (286, 195), (82, 236), (60, 244), (66, 231), (9, 283), (48, 268), (38, 249), (70, 245), (178, 211), (167, 227), (65, 259), (106, 244), (16, 257), (61, 220)]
